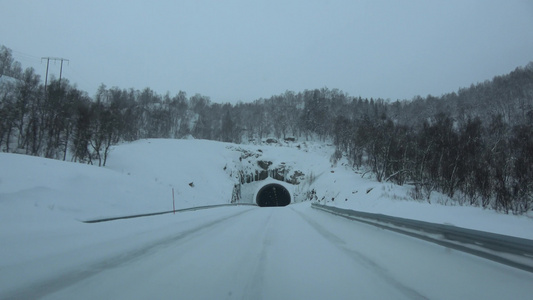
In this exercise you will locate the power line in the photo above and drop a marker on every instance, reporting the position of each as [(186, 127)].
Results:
[(25, 55)]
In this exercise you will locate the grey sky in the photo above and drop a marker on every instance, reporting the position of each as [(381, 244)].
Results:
[(242, 50)]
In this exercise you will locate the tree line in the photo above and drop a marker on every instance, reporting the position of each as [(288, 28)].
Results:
[(475, 145)]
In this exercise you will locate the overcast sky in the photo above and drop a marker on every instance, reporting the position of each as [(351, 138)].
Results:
[(242, 50)]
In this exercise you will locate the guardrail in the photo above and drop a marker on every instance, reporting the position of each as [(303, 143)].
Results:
[(162, 212), (512, 251)]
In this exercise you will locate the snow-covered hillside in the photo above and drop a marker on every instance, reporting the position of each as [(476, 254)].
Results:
[(139, 178)]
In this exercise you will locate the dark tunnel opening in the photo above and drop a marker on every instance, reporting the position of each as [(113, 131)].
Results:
[(273, 195)]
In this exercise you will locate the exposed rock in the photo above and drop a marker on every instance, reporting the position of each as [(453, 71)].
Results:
[(295, 178), (249, 168), (264, 164)]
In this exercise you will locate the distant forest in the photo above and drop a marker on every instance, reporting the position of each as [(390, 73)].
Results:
[(474, 145)]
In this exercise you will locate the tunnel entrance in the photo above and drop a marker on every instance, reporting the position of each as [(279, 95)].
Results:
[(273, 195)]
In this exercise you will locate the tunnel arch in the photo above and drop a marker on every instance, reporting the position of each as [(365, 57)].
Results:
[(273, 194)]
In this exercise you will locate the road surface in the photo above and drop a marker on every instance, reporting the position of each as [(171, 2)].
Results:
[(292, 252)]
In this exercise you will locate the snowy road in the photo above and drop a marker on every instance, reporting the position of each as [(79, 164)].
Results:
[(292, 252)]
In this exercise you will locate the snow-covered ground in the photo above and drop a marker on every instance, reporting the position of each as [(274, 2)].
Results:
[(139, 178), (42, 201)]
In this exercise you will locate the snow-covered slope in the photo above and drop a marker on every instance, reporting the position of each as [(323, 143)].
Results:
[(349, 190), (139, 178)]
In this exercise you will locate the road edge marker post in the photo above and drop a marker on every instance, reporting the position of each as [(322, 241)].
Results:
[(173, 202)]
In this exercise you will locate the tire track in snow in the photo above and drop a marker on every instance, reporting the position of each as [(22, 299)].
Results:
[(361, 259), (52, 285), (253, 289)]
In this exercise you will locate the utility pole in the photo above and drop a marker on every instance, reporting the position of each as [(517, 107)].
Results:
[(48, 63)]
